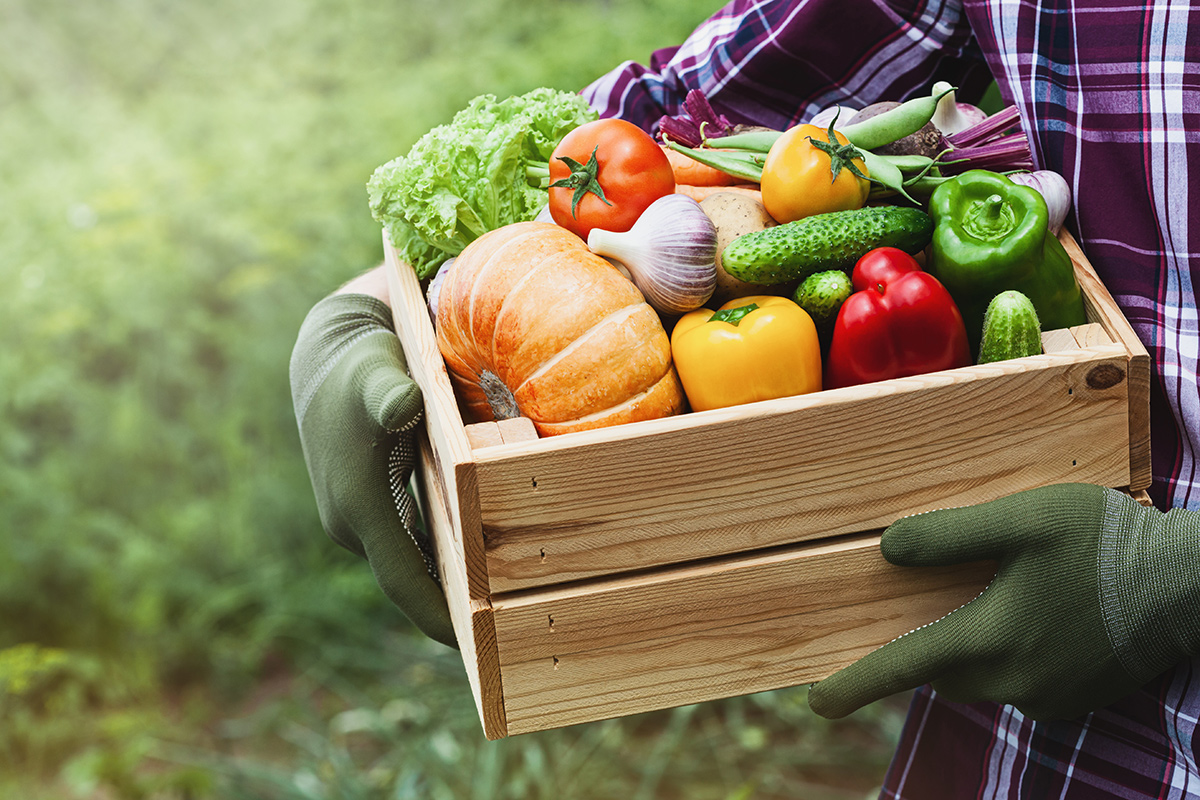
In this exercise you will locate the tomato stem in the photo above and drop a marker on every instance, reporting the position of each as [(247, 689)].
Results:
[(583, 179), (840, 155)]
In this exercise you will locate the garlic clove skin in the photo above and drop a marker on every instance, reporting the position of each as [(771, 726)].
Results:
[(1054, 189), (670, 253)]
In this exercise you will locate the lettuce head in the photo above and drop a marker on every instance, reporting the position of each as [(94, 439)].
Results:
[(468, 177)]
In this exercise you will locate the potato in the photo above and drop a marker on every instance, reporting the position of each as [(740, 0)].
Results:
[(734, 214)]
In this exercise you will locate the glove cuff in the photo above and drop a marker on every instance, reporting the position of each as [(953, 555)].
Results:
[(1149, 573), (331, 328)]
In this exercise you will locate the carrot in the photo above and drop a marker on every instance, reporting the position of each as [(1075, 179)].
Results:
[(691, 172), (698, 193)]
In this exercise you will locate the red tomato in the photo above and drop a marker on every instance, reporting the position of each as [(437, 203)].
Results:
[(609, 157)]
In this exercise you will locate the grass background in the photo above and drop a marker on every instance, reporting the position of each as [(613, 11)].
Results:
[(179, 184)]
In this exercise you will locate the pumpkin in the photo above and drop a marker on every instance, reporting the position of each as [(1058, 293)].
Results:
[(531, 323)]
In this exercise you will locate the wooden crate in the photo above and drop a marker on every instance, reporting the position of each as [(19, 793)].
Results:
[(712, 554)]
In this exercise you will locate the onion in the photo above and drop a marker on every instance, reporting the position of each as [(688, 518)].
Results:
[(670, 253), (435, 288), (1054, 188), (827, 115), (950, 116)]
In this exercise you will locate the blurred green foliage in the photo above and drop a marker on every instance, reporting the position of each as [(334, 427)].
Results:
[(181, 182)]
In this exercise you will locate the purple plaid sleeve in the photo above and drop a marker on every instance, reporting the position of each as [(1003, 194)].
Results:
[(1110, 98), (1111, 101), (778, 62), (1140, 747), (1109, 95)]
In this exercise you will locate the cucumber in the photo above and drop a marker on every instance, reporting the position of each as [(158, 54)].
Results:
[(821, 295), (795, 250), (1010, 328)]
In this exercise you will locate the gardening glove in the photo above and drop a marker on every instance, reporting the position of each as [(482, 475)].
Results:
[(357, 410), (1094, 596)]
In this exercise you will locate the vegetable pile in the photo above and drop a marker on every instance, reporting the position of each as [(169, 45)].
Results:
[(481, 171), (585, 273)]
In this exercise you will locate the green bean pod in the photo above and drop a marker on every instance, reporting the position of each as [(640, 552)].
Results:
[(754, 141), (906, 118), (910, 164), (883, 172), (745, 165)]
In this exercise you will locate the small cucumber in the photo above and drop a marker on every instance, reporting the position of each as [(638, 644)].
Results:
[(822, 294), (795, 250), (1010, 328)]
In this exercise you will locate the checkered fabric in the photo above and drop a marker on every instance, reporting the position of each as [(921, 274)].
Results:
[(1109, 95)]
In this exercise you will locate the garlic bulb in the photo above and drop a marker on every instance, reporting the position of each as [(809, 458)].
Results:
[(670, 252), (1054, 189)]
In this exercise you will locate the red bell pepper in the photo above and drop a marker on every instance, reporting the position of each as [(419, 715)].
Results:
[(900, 321)]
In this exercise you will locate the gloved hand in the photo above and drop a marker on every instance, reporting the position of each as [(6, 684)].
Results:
[(357, 409), (1095, 595)]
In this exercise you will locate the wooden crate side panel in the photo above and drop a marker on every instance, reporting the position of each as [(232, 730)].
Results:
[(1103, 309), (450, 447), (688, 490), (700, 634), (472, 617)]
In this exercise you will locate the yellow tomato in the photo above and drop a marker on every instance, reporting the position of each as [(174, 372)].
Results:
[(798, 177), (753, 348)]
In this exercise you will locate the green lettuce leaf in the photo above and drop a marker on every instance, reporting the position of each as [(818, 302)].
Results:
[(465, 178)]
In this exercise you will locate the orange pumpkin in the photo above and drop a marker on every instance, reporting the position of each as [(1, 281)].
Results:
[(531, 323)]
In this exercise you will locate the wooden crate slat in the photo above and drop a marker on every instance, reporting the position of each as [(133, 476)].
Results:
[(550, 514), (484, 434), (760, 624), (1058, 340), (1090, 334), (472, 617), (786, 581), (450, 448), (1102, 308)]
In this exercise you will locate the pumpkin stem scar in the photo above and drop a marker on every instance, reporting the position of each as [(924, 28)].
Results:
[(499, 396)]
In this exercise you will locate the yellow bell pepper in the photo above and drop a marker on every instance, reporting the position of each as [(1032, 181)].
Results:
[(752, 348)]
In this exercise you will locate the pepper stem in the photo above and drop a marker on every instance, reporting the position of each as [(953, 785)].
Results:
[(993, 207), (989, 219), (733, 315)]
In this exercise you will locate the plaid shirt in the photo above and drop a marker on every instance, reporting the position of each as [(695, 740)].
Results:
[(1109, 95)]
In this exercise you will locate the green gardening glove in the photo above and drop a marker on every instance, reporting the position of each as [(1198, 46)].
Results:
[(357, 410), (1094, 596)]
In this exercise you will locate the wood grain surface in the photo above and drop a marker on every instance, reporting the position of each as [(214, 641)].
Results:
[(798, 468), (689, 634), (610, 572), (1102, 308)]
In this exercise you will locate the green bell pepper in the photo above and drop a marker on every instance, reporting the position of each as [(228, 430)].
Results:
[(991, 235)]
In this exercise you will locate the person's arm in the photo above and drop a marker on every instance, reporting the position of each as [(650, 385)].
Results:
[(373, 283), (776, 63)]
